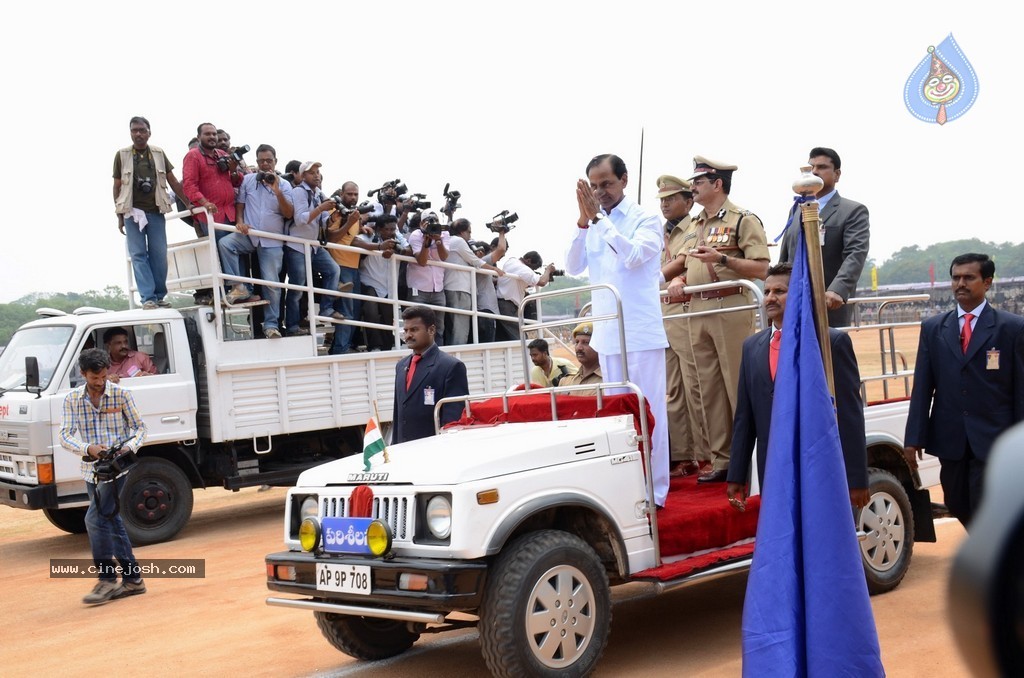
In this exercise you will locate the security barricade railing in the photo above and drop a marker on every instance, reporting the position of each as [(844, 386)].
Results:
[(195, 264)]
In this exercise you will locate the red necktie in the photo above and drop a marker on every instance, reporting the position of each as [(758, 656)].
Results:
[(412, 370), (965, 333), (773, 352)]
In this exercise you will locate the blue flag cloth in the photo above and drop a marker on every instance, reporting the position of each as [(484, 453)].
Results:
[(807, 611)]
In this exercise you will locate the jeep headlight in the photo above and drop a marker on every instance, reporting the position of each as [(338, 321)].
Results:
[(439, 516), (309, 507)]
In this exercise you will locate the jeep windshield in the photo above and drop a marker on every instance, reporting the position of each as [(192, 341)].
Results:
[(47, 344)]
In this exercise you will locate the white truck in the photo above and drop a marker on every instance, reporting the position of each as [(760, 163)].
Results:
[(225, 409), (520, 527)]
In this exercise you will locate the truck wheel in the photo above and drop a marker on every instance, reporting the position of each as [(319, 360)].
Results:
[(366, 637), (546, 608), (71, 520), (889, 524), (156, 501)]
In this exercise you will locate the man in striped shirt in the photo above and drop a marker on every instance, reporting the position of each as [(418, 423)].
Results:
[(97, 416)]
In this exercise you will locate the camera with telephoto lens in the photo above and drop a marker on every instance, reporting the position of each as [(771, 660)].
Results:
[(415, 202), (430, 224), (503, 222), (235, 154), (112, 462), (451, 200), (144, 184), (381, 219), (363, 208), (557, 272), (397, 186)]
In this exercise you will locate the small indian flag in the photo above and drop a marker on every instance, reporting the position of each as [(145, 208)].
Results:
[(372, 442)]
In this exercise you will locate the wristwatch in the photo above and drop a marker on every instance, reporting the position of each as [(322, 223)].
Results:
[(597, 217), (723, 260)]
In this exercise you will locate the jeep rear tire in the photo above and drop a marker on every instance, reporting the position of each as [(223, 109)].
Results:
[(889, 524), (546, 608), (366, 637)]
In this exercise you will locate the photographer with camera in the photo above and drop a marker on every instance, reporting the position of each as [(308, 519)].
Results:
[(311, 210), (97, 417), (429, 242), (520, 274), (345, 224), (141, 176), (374, 274), (486, 291), (264, 203), (458, 285), (209, 177)]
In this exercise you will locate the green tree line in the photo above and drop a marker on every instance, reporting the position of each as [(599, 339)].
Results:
[(912, 264), (20, 311)]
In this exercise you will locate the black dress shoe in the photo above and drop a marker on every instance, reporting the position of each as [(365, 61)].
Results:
[(714, 477)]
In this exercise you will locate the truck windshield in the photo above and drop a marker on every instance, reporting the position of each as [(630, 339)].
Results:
[(47, 344)]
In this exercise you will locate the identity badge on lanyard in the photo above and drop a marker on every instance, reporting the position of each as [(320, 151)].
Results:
[(428, 396)]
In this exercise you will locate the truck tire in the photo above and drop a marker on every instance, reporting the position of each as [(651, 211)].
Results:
[(366, 637), (546, 609), (71, 520), (156, 501), (889, 524)]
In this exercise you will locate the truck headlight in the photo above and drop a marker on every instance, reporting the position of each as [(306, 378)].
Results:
[(439, 516), (378, 538)]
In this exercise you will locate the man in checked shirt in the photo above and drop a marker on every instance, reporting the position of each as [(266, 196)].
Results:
[(97, 415)]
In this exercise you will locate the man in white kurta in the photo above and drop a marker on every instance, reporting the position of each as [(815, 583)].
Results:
[(621, 243)]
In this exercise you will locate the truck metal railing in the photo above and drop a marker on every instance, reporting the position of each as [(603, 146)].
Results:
[(894, 365), (613, 388), (189, 267)]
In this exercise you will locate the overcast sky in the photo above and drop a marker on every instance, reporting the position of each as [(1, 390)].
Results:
[(508, 102)]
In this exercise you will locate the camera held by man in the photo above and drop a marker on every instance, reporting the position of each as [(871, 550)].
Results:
[(389, 191), (431, 225), (235, 154), (416, 201), (503, 222)]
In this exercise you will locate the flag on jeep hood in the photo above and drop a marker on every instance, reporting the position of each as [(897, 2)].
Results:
[(807, 611), (372, 442)]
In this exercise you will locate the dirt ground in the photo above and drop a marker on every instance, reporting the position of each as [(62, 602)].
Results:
[(221, 623)]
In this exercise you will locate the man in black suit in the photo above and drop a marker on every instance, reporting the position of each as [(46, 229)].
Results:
[(423, 378), (845, 246), (757, 389), (968, 385)]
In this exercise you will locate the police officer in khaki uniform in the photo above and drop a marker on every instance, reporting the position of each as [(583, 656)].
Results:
[(590, 363), (688, 445), (730, 245)]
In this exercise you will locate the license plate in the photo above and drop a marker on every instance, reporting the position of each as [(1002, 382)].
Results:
[(343, 578)]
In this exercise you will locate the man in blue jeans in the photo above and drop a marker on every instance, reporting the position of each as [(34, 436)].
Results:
[(141, 175), (311, 210), (265, 203), (96, 416)]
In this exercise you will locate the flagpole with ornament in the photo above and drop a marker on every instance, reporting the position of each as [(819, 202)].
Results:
[(806, 187)]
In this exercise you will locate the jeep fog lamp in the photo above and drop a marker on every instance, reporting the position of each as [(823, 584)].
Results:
[(378, 537), (439, 517), (309, 534)]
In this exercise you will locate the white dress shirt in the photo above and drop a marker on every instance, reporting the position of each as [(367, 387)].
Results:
[(623, 250)]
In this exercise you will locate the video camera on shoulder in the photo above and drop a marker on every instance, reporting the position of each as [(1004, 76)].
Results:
[(389, 191), (416, 202), (235, 154), (112, 462), (451, 200), (502, 222)]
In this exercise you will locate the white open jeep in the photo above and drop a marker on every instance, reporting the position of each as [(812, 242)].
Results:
[(519, 519)]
